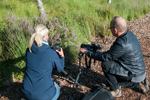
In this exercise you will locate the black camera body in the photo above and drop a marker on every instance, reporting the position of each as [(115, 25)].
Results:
[(92, 47), (56, 47)]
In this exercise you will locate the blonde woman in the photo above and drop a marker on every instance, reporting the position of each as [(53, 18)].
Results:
[(40, 61)]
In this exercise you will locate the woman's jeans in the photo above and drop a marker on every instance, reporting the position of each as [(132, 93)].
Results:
[(57, 92)]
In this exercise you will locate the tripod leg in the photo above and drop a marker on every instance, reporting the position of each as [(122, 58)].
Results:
[(74, 86), (77, 78), (66, 74), (73, 80)]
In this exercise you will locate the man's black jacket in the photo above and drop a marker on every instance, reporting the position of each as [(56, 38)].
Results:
[(126, 51)]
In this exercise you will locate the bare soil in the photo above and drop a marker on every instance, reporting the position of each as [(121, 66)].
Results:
[(140, 27)]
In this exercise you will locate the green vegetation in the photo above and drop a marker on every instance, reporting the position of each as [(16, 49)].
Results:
[(85, 18), (15, 36)]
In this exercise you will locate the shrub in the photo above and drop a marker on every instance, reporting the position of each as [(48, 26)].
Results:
[(15, 35)]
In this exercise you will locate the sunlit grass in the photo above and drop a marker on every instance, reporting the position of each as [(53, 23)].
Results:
[(87, 17), (20, 8)]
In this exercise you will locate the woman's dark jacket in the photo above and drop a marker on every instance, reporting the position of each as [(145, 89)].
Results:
[(126, 51), (37, 83)]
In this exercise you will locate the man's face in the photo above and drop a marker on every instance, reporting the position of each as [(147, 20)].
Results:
[(112, 28)]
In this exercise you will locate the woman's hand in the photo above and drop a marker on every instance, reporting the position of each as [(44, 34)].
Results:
[(60, 52)]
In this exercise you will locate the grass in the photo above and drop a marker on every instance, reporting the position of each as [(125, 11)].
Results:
[(20, 8), (87, 18)]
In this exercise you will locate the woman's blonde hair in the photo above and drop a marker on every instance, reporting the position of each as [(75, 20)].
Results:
[(40, 32)]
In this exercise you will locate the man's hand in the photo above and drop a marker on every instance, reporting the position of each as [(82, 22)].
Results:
[(83, 50)]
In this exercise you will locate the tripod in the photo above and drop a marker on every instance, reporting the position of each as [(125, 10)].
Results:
[(78, 76), (66, 74)]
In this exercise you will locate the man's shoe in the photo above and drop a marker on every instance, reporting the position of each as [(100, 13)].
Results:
[(144, 86), (116, 93)]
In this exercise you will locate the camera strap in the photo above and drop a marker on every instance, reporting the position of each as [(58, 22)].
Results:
[(88, 66)]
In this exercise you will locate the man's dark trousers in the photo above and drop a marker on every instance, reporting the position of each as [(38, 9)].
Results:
[(116, 80)]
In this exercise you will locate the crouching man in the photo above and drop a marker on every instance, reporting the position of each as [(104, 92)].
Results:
[(123, 65)]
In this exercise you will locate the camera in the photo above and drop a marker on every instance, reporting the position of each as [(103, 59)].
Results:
[(92, 47), (56, 47)]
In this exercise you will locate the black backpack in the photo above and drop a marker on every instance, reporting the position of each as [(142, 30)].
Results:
[(99, 93)]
